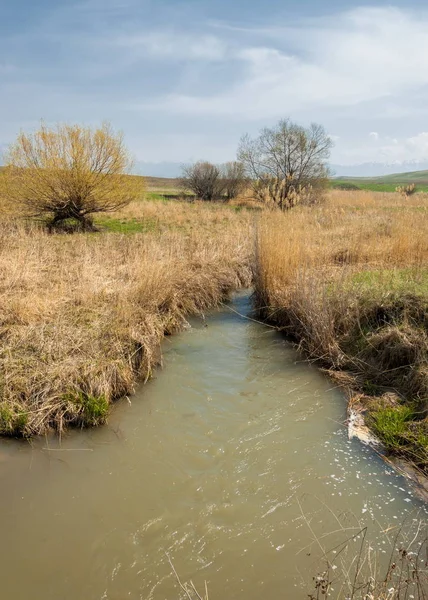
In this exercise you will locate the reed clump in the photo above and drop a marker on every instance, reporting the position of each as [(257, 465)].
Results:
[(349, 281), (82, 316), (354, 570)]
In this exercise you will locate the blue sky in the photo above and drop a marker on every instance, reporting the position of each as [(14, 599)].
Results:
[(185, 79)]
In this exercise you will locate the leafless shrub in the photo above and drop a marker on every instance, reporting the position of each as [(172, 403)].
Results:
[(203, 179), (214, 182), (287, 161), (234, 179)]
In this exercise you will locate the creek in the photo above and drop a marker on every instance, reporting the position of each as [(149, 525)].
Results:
[(230, 461)]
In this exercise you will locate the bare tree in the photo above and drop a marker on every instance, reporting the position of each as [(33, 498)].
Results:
[(234, 179), (69, 173), (203, 179), (287, 162)]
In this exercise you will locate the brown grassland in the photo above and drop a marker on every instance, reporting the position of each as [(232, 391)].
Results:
[(83, 315), (348, 280)]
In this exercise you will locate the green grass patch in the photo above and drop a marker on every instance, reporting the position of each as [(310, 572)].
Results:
[(87, 410), (384, 183), (158, 196), (13, 420), (393, 282), (391, 425), (127, 225), (374, 185), (402, 432)]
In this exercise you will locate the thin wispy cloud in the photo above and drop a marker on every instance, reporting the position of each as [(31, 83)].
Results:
[(184, 82), (360, 56)]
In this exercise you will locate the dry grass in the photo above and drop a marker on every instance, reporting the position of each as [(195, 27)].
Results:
[(349, 281), (187, 217), (355, 571), (375, 200), (82, 316)]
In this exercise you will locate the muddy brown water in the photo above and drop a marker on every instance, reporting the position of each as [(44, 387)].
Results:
[(230, 461)]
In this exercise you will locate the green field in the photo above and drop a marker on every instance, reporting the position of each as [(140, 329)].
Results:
[(386, 183)]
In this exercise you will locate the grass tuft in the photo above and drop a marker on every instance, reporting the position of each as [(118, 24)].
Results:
[(86, 410), (13, 420)]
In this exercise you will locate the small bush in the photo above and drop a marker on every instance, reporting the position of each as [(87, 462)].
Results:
[(406, 190), (204, 180)]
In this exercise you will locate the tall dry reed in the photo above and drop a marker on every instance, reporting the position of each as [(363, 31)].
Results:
[(349, 281)]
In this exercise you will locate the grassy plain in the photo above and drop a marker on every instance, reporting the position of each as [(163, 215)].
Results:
[(349, 281)]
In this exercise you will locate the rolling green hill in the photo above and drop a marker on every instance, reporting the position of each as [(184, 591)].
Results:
[(386, 183)]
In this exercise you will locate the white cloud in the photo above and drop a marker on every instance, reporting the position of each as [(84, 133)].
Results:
[(389, 150), (374, 135), (417, 146), (360, 56)]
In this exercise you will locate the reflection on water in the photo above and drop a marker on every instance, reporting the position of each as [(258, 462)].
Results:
[(230, 461)]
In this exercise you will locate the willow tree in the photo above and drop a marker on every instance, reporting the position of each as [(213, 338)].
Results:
[(287, 162), (69, 173)]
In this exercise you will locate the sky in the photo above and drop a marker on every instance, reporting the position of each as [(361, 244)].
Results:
[(184, 80)]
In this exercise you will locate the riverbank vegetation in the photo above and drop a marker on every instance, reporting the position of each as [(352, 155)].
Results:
[(82, 315), (349, 281)]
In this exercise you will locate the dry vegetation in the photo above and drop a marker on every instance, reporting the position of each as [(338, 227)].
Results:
[(349, 281), (355, 571), (82, 316)]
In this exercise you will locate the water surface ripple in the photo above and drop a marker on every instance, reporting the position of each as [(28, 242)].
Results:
[(230, 460)]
